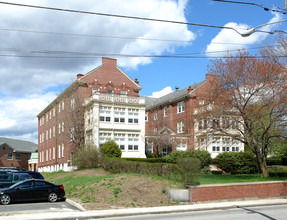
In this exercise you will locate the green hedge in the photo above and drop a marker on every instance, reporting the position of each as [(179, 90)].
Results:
[(284, 161), (203, 156), (147, 160), (216, 172), (274, 161), (277, 174), (234, 161), (116, 165)]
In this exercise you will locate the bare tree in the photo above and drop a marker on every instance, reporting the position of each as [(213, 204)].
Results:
[(161, 137), (248, 101)]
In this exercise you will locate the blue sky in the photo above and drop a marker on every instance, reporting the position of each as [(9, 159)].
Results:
[(38, 50)]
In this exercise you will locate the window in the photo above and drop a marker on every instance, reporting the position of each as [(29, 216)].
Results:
[(181, 146), (28, 156), (50, 114), (47, 135), (225, 122), (63, 105), (105, 114), (215, 143), (47, 155), (133, 142), (50, 153), (180, 127), (119, 115), (63, 147), (54, 153), (59, 107), (180, 107), (72, 133), (201, 102), (54, 131), (104, 137), (201, 142), (155, 115), (234, 124), (235, 146), (146, 116), (200, 125), (63, 125), (124, 93), (50, 133), (165, 111), (73, 104), (225, 144), (17, 156), (59, 151), (120, 140), (133, 116), (215, 123), (54, 111), (59, 129)]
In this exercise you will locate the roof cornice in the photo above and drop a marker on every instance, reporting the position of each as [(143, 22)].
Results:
[(63, 94)]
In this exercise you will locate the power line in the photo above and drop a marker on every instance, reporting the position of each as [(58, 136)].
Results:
[(251, 3), (112, 37), (96, 55), (124, 16)]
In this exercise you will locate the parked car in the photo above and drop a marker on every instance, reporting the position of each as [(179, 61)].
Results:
[(32, 189), (9, 178), (11, 169), (35, 175)]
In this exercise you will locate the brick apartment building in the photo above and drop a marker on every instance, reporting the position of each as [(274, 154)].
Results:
[(173, 115), (16, 153), (101, 105)]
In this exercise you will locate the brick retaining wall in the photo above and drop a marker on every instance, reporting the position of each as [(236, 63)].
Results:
[(236, 191)]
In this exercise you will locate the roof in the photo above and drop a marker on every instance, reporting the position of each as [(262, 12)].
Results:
[(171, 97), (19, 145)]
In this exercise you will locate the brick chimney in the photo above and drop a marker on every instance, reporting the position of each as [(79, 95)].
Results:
[(210, 77), (109, 61), (189, 90), (136, 81), (79, 76)]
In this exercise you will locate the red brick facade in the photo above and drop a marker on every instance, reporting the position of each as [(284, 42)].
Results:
[(238, 191), (170, 120), (9, 158), (55, 147)]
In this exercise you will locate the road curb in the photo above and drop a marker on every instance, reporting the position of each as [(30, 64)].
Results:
[(75, 204)]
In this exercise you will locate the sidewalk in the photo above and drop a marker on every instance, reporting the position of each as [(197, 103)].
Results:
[(139, 211)]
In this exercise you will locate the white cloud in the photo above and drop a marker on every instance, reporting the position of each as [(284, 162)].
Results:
[(27, 79), (18, 115), (229, 42), (162, 92), (41, 73)]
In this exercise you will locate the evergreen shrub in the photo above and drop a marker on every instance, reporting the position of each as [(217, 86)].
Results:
[(111, 149), (189, 169), (234, 161)]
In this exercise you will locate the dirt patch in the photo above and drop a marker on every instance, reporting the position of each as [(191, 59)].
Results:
[(121, 191)]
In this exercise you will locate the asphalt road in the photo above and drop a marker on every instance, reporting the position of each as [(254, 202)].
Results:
[(274, 212), (36, 207)]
